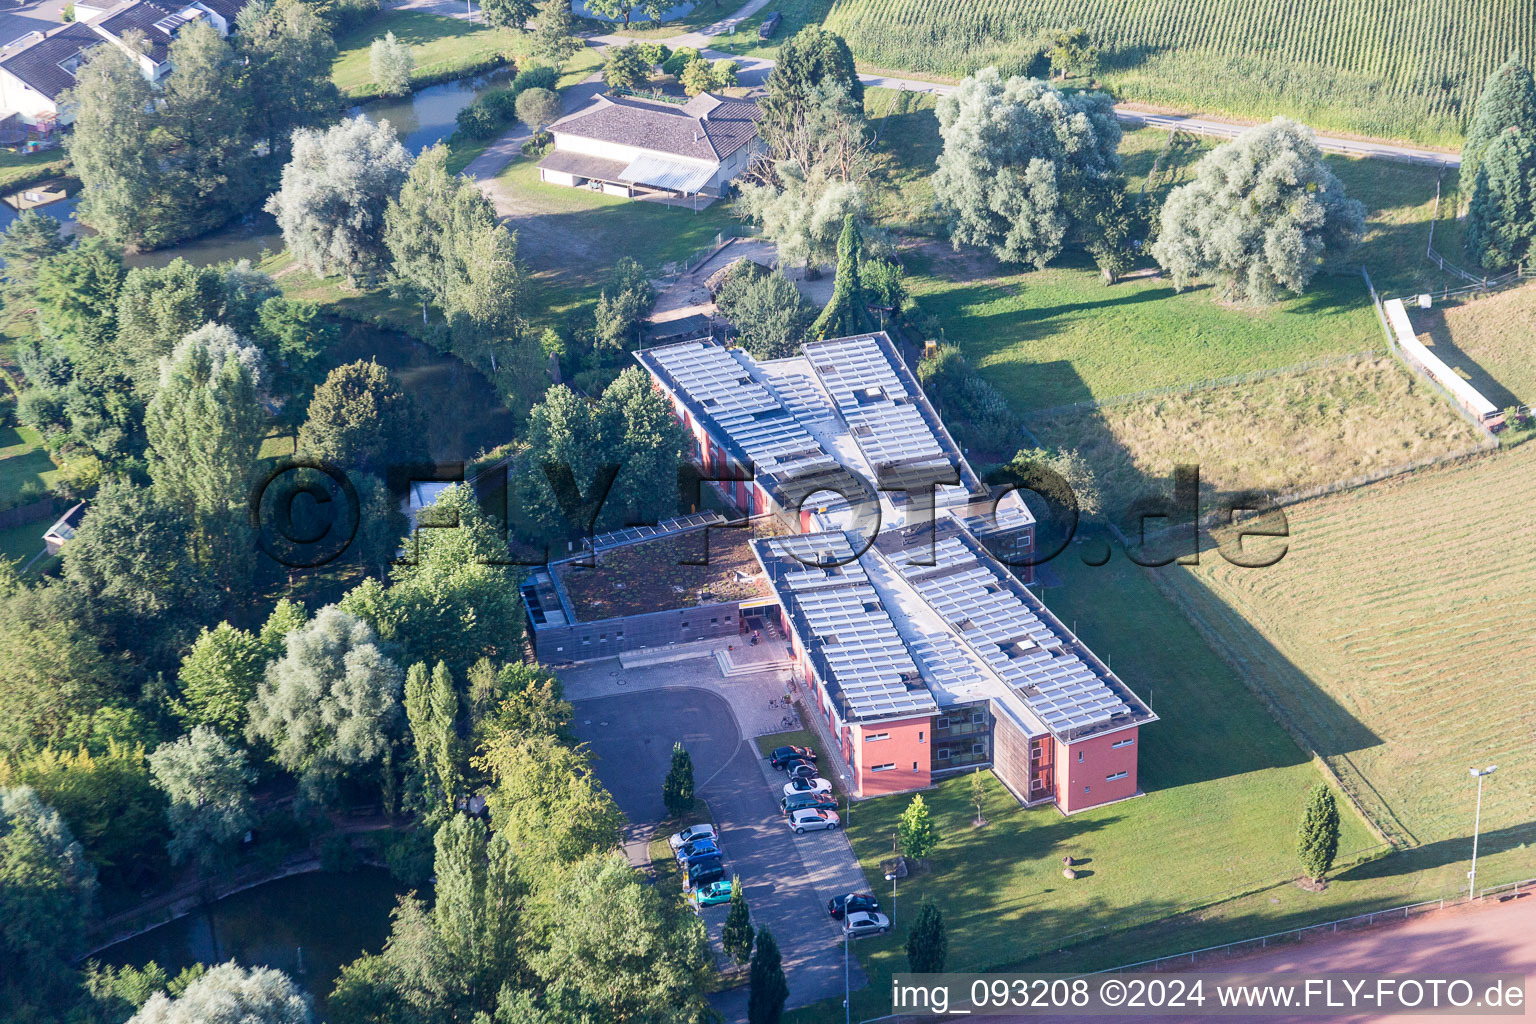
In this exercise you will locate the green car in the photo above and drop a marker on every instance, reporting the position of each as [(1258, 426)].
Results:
[(714, 893)]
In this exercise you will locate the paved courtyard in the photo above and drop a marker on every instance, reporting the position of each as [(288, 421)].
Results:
[(631, 717)]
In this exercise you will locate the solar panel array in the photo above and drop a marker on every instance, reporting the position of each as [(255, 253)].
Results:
[(667, 527), (1006, 518), (869, 662), (945, 661), (982, 608), (745, 410), (876, 403)]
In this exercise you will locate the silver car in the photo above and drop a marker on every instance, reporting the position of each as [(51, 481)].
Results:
[(865, 922), (690, 834), (809, 819)]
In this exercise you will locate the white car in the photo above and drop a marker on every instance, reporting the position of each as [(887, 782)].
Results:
[(809, 819), (864, 922), (807, 786), (689, 834)]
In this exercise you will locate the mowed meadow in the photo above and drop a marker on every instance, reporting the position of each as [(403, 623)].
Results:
[(1396, 636), (1403, 69)]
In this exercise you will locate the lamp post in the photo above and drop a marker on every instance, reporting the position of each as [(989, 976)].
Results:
[(892, 879), (1477, 821), (847, 990), (847, 796)]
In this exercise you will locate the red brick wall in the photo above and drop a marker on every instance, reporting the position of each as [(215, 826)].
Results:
[(909, 742), (1083, 768)]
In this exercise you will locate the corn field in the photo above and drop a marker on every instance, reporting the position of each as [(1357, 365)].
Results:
[(1407, 69)]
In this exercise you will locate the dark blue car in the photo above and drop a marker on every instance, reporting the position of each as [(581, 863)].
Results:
[(697, 851)]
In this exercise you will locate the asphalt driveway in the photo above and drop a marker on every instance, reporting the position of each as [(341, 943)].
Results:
[(787, 878)]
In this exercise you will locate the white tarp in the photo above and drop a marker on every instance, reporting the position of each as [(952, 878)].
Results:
[(1453, 382)]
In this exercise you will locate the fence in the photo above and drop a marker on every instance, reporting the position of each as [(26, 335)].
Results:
[(1298, 934), (1482, 284), (1209, 384), (672, 271)]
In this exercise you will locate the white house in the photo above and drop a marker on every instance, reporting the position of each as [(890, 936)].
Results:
[(628, 146), (39, 66)]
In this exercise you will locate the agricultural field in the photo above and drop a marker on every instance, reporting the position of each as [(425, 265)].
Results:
[(1279, 434), (1409, 71), (1488, 339), (1395, 636)]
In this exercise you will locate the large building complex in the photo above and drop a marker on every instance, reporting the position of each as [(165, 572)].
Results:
[(890, 568)]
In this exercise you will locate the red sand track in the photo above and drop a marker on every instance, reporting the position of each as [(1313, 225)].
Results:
[(1495, 939)]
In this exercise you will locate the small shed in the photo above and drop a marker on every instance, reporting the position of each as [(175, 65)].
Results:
[(769, 26), (716, 281), (63, 531)]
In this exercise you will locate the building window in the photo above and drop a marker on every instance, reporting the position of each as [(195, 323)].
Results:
[(1117, 775), (978, 717), (1087, 789), (883, 767), (602, 636), (1122, 743), (1079, 757), (978, 748), (920, 736), (1036, 751), (941, 754), (875, 737), (685, 623), (714, 621), (941, 723), (914, 766)]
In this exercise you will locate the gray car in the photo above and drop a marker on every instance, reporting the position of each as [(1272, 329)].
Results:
[(809, 819)]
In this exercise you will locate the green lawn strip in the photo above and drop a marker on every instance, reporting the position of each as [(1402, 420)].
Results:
[(1224, 789), (20, 543), (20, 169), (797, 14), (23, 460), (444, 48)]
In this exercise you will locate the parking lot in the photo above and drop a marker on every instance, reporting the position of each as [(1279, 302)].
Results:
[(787, 878)]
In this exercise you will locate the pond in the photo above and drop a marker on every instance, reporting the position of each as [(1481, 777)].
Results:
[(307, 925), (421, 119)]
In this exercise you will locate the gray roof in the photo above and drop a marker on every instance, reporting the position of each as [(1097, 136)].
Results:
[(42, 64), (158, 23), (705, 128)]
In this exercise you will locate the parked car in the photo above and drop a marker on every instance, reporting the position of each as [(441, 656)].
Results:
[(797, 785), (810, 819), (702, 872), (781, 756), (850, 903), (689, 834), (864, 922), (714, 893), (801, 770), (801, 801), (698, 850)]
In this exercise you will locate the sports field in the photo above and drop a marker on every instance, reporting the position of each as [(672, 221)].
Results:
[(1406, 70), (1396, 635)]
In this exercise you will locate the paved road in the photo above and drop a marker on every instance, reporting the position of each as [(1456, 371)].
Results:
[(16, 20), (787, 878)]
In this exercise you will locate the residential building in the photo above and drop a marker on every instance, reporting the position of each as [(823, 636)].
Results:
[(636, 147), (63, 531)]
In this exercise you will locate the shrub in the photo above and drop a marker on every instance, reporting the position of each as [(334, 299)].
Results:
[(535, 78), (680, 59), (391, 62)]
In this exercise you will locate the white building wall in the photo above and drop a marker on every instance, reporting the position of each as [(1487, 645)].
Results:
[(20, 98)]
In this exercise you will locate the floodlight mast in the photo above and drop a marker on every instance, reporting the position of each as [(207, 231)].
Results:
[(1477, 821)]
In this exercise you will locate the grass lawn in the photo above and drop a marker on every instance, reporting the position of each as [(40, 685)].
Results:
[(29, 167), (22, 461), (20, 543), (1396, 635), (796, 15), (444, 48), (1487, 339), (576, 69), (1281, 434)]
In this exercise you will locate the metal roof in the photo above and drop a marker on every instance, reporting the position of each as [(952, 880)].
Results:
[(660, 172)]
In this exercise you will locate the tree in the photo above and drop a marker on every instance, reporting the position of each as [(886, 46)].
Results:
[(622, 305), (546, 800), (624, 67), (229, 994), (1317, 840), (114, 994), (391, 62), (509, 13), (1018, 155), (432, 710), (208, 784), (292, 334), (1112, 224), (330, 703), (554, 38), (538, 108), (113, 118), (846, 314), (699, 76), (927, 943), (978, 793), (768, 311), (76, 297), (677, 788), (30, 241), (478, 910), (1073, 53), (218, 679), (915, 830), (1262, 216), (768, 988), (47, 895), (520, 699), (1501, 222), (334, 193), (288, 50), (156, 308), (639, 434), (1508, 100), (737, 933), (1068, 466), (804, 213), (362, 418), (813, 68), (617, 9), (55, 677), (612, 950)]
